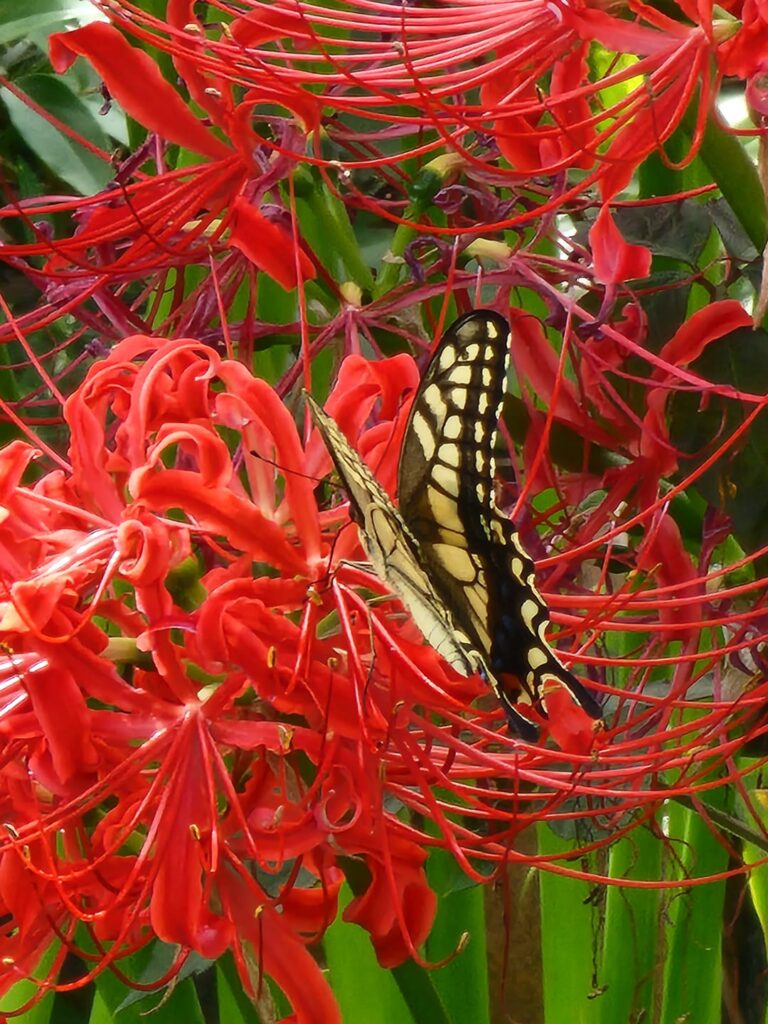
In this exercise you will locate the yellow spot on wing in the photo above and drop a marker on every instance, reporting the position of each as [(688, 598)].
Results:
[(445, 510), (449, 455), (452, 428), (423, 431), (529, 610), (433, 399), (457, 561), (537, 657), (462, 375), (446, 478)]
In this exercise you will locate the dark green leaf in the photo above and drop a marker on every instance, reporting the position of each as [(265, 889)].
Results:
[(68, 160), (737, 483), (677, 230)]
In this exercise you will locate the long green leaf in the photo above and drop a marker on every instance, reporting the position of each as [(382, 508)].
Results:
[(37, 18), (630, 956), (459, 926), (694, 923), (366, 993), (70, 161), (567, 940), (736, 176)]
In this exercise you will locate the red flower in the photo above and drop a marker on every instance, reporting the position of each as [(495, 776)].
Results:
[(236, 719), (203, 712), (172, 698), (266, 245), (134, 80), (226, 209), (614, 260), (544, 103)]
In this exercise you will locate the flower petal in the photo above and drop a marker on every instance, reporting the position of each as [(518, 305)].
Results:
[(614, 260), (267, 246), (134, 80)]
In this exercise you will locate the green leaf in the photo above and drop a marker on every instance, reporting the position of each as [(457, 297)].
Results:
[(735, 239), (665, 304), (160, 961), (326, 226), (23, 991), (630, 936), (693, 918), (567, 940), (116, 1003), (737, 483), (369, 994), (73, 163), (180, 1002), (676, 230), (420, 995), (36, 19), (366, 992), (459, 925), (736, 175), (234, 1005)]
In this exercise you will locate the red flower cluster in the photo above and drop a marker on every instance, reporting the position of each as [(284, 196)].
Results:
[(462, 81), (415, 74), (202, 714), (184, 756)]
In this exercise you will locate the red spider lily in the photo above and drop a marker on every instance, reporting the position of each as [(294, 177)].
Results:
[(205, 714), (227, 213), (149, 228), (170, 219), (365, 59), (219, 739), (191, 746), (170, 709)]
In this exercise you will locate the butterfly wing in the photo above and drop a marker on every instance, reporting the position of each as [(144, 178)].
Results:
[(392, 550), (472, 553)]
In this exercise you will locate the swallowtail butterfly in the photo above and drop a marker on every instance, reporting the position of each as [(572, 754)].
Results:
[(456, 562)]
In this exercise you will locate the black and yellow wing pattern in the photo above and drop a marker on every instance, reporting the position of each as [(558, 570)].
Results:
[(453, 558)]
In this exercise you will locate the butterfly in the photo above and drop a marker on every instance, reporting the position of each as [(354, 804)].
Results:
[(453, 558)]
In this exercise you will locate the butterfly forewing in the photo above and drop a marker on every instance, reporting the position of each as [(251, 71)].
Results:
[(392, 550), (471, 552)]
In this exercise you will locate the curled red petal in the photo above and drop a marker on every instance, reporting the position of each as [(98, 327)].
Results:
[(537, 363), (375, 909), (135, 81), (615, 260), (146, 549), (220, 510), (264, 404), (704, 326), (64, 719), (14, 459), (568, 724), (267, 24), (267, 245), (33, 602)]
